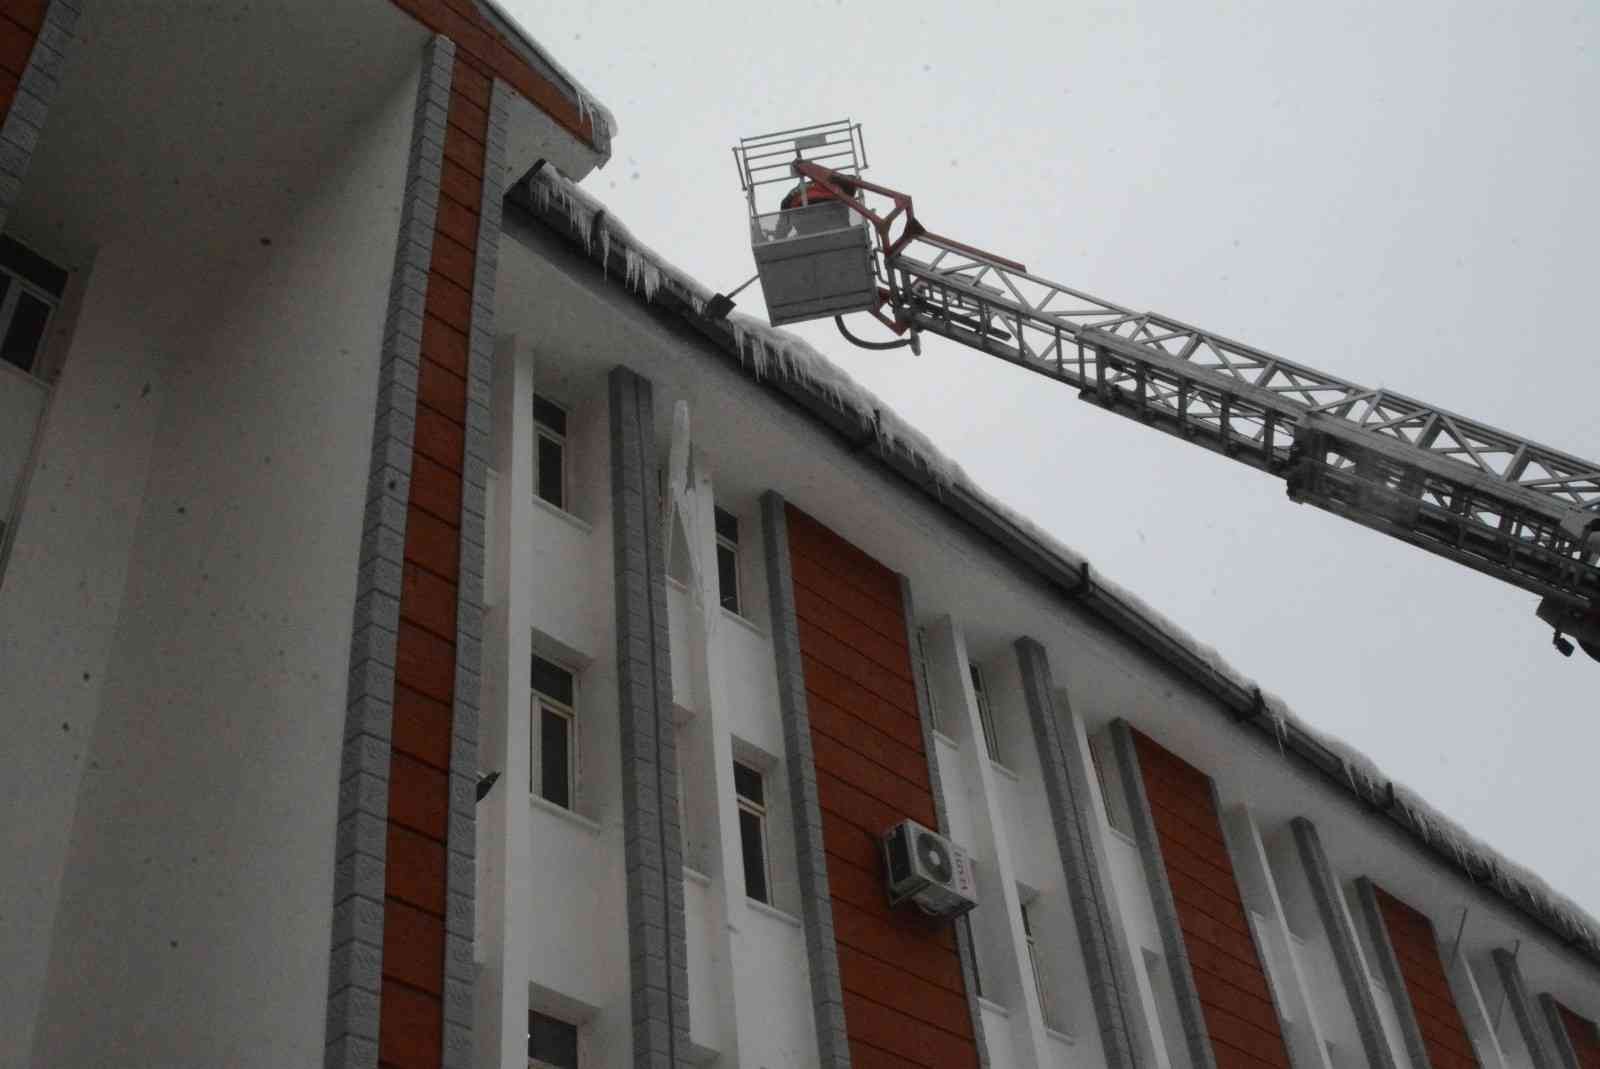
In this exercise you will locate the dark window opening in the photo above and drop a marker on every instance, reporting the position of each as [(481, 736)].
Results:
[(552, 1044), (728, 559), (550, 461), (750, 787)]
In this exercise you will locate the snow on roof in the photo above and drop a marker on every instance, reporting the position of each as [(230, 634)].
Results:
[(587, 104), (771, 351)]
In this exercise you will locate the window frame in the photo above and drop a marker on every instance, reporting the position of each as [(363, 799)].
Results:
[(760, 811), (569, 712), (17, 285), (1041, 988), (980, 694), (558, 438), (731, 544)]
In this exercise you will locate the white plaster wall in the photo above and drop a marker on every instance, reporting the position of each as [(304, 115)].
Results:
[(578, 943), (199, 877), (776, 1030), (750, 682), (700, 907), (61, 595)]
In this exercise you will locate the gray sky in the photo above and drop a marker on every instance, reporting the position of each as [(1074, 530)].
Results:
[(1400, 194)]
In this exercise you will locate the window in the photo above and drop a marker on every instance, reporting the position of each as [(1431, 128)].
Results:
[(30, 289), (728, 559), (751, 788), (552, 1044), (1116, 806), (927, 685), (1039, 985), (550, 463), (556, 760), (985, 716)]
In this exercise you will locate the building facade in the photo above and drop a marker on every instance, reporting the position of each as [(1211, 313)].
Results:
[(427, 639)]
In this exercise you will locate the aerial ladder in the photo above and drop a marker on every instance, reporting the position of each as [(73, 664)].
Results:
[(828, 242)]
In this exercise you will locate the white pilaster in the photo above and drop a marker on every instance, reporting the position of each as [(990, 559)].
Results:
[(505, 833), (1001, 944)]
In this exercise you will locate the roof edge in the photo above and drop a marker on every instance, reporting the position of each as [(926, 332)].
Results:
[(629, 265)]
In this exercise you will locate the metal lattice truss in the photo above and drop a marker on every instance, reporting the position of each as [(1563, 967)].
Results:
[(1496, 502)]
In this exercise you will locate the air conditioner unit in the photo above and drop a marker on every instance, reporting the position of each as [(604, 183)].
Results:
[(929, 870)]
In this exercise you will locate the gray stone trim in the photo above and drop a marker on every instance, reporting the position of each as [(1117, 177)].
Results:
[(1566, 1053), (652, 839), (1534, 1036), (964, 948), (41, 80), (356, 959), (1343, 940), (1106, 957), (816, 905), (1196, 1038), (1389, 965)]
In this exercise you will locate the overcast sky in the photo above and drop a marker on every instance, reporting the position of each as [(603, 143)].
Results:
[(1401, 194)]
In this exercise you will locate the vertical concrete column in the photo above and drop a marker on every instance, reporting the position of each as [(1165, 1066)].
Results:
[(1534, 1030), (652, 839), (1196, 1039), (1388, 964), (30, 103), (964, 947), (360, 859), (507, 862), (1302, 1030), (822, 951), (1343, 941), (1067, 788)]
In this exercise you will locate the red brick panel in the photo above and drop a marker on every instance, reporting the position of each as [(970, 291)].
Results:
[(1444, 1034), (20, 22), (1235, 999), (411, 1017), (905, 1004), (1584, 1036)]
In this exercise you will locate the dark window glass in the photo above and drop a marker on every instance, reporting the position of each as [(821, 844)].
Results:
[(552, 680), (552, 465), (555, 758), (747, 783), (552, 1042), (21, 346), (727, 526), (728, 577), (753, 838), (551, 415), (17, 257)]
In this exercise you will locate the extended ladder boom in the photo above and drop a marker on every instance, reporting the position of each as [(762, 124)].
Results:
[(1501, 504), (1496, 502)]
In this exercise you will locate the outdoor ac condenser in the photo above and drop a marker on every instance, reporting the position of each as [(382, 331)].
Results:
[(925, 868)]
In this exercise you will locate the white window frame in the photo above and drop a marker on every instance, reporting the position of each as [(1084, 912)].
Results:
[(542, 702), (732, 546), (759, 810), (559, 438), (980, 692), (8, 310)]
